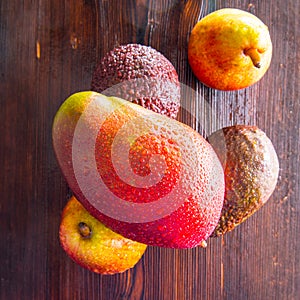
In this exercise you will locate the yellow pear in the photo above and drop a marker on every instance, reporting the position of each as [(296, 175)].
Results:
[(229, 49)]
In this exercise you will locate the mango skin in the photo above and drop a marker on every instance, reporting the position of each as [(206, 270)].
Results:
[(218, 45), (191, 190)]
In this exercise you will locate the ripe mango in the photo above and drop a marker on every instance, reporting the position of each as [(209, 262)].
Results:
[(145, 176)]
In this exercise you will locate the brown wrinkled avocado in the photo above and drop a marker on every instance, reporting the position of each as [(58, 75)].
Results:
[(251, 169), (139, 74)]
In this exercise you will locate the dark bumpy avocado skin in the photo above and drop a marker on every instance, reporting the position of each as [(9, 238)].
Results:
[(251, 170), (139, 74)]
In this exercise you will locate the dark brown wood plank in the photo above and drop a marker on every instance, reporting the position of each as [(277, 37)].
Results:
[(48, 50)]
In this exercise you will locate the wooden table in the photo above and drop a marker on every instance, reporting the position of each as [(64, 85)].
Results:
[(48, 51)]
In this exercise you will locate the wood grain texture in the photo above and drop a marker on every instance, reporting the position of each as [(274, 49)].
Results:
[(48, 50)]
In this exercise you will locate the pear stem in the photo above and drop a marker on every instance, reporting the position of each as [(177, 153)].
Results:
[(84, 230), (254, 55)]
